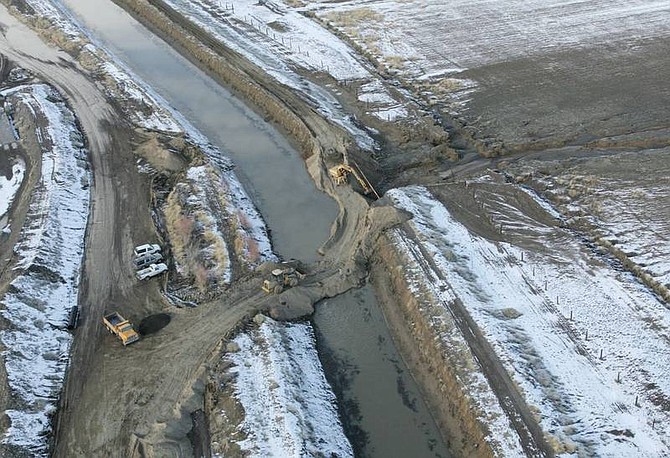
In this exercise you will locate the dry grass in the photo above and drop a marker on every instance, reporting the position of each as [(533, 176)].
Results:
[(353, 18), (198, 247), (295, 3), (179, 225), (252, 250), (395, 62)]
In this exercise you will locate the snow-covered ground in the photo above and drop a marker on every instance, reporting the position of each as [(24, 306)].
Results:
[(288, 405), (50, 252), (623, 199), (549, 314), (49, 10), (282, 41), (10, 186), (145, 110), (500, 434), (435, 38)]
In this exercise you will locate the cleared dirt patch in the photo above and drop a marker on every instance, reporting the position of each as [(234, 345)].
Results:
[(154, 323)]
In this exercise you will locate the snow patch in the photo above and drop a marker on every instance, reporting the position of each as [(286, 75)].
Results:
[(289, 406), (10, 186), (50, 252)]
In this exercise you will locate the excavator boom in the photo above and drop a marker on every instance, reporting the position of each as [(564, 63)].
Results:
[(339, 175)]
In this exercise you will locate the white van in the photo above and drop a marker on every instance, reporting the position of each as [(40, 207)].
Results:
[(145, 249)]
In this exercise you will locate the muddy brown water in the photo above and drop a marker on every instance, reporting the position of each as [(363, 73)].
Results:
[(378, 399)]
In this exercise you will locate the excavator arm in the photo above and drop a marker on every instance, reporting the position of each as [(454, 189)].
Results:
[(339, 175)]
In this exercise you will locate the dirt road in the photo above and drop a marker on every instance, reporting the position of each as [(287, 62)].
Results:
[(120, 197)]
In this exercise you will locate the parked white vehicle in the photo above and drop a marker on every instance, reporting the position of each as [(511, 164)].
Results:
[(151, 271), (145, 260), (146, 249)]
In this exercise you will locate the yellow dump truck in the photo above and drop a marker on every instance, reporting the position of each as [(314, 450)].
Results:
[(118, 325)]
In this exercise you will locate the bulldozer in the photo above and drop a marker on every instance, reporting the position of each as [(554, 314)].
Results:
[(340, 172), (281, 278)]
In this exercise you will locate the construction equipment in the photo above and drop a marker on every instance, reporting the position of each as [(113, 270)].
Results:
[(281, 278), (118, 325), (340, 172)]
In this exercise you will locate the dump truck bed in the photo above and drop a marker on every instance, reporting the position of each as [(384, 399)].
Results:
[(114, 319)]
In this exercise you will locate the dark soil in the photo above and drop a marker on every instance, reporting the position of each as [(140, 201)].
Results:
[(154, 323)]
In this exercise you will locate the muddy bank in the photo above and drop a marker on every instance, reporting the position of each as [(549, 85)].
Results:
[(437, 367)]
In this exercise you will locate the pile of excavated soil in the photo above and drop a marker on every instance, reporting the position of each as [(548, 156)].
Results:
[(154, 323)]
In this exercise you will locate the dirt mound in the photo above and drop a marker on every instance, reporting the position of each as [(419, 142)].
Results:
[(154, 323)]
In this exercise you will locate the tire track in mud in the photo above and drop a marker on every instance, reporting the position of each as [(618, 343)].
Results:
[(512, 402)]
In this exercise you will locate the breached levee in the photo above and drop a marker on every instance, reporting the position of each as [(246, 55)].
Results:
[(473, 426), (49, 254)]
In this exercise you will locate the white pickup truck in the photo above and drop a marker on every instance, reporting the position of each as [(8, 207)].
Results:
[(151, 271)]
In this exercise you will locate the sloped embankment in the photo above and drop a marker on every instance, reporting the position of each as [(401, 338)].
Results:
[(433, 350)]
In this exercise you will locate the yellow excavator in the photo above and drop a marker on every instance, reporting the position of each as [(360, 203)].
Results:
[(340, 172)]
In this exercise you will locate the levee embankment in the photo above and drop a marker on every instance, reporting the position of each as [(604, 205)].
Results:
[(439, 368), (271, 99)]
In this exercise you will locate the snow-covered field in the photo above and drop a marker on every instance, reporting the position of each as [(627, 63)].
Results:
[(425, 283), (623, 199), (550, 313), (289, 406), (435, 38), (50, 251), (10, 186), (282, 41)]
